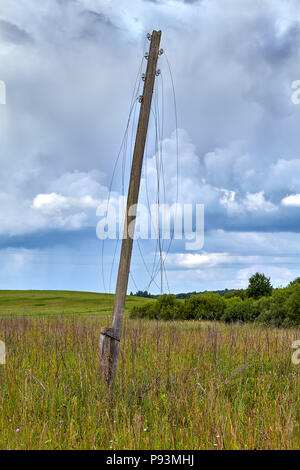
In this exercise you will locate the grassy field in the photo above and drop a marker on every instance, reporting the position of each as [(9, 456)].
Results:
[(181, 385), (43, 303)]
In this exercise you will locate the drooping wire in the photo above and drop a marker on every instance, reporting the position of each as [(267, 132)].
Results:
[(158, 115), (109, 193), (161, 263), (177, 152), (158, 161), (123, 144), (133, 124), (158, 123), (123, 192), (151, 222)]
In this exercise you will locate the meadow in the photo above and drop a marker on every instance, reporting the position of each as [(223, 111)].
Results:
[(180, 385), (56, 303)]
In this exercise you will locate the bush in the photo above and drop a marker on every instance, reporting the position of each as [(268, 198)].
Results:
[(166, 307), (282, 308), (206, 306), (293, 306), (143, 311), (232, 301), (240, 310), (235, 293), (273, 310)]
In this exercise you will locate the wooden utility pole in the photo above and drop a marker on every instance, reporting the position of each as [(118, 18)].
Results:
[(110, 337)]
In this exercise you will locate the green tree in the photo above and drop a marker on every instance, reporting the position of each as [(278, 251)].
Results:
[(259, 286), (295, 282)]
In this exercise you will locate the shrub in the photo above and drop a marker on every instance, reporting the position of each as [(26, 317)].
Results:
[(232, 301), (143, 311), (293, 306), (282, 308), (166, 307), (273, 310), (206, 306), (235, 293), (240, 310)]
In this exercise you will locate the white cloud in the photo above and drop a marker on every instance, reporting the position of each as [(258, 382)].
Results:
[(251, 202), (54, 203), (196, 260), (69, 202), (280, 276), (257, 202), (293, 200)]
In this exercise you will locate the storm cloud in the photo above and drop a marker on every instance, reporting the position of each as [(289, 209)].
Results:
[(69, 69)]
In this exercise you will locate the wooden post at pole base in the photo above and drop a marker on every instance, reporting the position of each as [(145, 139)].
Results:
[(109, 346), (104, 354)]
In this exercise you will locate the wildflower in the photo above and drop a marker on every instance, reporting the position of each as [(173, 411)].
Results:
[(17, 430)]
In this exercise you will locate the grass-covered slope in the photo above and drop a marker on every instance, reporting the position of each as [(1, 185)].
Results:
[(41, 303)]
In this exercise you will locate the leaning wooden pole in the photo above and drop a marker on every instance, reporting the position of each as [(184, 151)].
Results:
[(109, 346)]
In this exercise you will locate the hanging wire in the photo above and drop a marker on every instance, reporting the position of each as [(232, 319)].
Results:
[(123, 193), (158, 123), (157, 113), (157, 225), (110, 190), (151, 221), (177, 158), (159, 266), (134, 100)]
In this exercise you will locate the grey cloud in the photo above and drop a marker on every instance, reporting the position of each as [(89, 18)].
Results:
[(96, 17), (68, 102), (10, 32), (95, 22), (277, 48)]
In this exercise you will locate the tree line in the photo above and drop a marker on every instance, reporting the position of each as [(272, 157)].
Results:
[(260, 302)]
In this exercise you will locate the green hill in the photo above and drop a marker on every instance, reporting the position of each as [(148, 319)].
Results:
[(41, 303)]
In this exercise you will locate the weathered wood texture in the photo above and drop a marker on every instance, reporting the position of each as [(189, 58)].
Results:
[(130, 216)]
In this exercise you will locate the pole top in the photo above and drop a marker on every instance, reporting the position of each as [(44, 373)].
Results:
[(154, 33)]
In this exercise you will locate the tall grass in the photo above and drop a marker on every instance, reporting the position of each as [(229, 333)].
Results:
[(180, 385)]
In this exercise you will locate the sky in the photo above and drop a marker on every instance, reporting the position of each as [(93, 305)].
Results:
[(70, 68)]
